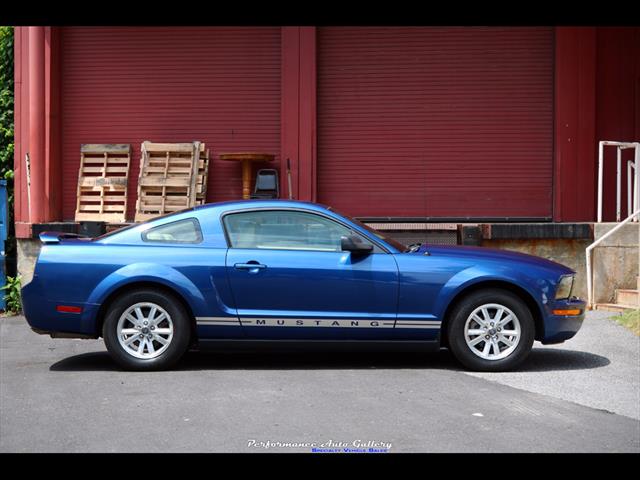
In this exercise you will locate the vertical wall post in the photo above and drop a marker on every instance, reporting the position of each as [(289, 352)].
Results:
[(289, 111), (21, 117), (53, 138), (298, 112), (308, 114), (575, 124), (36, 147)]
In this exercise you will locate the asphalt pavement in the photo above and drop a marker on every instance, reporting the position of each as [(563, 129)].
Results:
[(61, 395), (598, 368)]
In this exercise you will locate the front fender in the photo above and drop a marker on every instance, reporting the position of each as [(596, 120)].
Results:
[(143, 272), (538, 288)]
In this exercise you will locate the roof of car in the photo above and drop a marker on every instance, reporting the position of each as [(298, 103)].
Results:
[(264, 203)]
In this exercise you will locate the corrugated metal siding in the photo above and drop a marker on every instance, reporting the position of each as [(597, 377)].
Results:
[(617, 105), (436, 122), (125, 85)]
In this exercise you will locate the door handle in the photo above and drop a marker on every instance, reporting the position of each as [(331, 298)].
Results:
[(252, 266)]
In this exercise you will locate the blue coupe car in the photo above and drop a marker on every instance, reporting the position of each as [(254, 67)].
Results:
[(263, 271)]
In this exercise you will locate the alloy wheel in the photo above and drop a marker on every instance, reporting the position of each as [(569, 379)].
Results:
[(492, 331), (145, 330)]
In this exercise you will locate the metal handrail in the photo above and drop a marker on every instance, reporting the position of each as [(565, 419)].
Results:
[(590, 286), (636, 193)]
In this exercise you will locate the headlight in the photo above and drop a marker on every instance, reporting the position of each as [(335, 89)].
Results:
[(564, 287)]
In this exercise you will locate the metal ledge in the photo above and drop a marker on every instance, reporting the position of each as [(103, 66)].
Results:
[(514, 231)]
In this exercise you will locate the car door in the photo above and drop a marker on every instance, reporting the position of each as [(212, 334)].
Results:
[(290, 279)]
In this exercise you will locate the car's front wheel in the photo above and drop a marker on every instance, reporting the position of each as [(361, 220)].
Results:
[(491, 330), (146, 330)]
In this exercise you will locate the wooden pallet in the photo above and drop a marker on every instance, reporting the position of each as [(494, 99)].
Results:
[(102, 182), (168, 178), (203, 176)]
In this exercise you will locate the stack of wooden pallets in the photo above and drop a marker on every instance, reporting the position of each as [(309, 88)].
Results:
[(102, 182), (173, 176)]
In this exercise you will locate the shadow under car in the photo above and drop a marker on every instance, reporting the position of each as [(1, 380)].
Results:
[(540, 360)]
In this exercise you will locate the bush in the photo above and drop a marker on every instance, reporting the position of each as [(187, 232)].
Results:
[(12, 295)]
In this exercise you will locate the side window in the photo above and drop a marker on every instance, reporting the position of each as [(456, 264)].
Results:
[(182, 231), (284, 230)]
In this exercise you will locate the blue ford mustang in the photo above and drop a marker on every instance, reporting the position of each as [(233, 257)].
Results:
[(274, 271)]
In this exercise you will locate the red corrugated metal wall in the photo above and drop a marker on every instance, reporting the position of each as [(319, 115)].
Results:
[(618, 105), (436, 122), (126, 85)]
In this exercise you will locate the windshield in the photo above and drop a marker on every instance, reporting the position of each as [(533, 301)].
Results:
[(394, 243)]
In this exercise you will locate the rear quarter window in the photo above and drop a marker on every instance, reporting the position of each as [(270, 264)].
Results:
[(181, 231)]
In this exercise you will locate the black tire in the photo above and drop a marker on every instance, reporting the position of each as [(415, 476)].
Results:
[(181, 330), (456, 333)]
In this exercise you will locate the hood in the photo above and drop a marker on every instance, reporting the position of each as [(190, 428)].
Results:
[(483, 253)]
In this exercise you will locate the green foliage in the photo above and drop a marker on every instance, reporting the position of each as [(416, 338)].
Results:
[(12, 295), (7, 137), (6, 102)]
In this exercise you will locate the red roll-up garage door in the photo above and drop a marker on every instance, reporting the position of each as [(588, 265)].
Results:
[(126, 85), (436, 122)]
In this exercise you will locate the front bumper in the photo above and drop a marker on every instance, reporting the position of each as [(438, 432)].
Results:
[(558, 328)]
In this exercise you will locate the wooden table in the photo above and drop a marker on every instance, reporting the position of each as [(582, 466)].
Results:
[(246, 158)]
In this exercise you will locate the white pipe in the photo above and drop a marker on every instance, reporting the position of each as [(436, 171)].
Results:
[(600, 172), (636, 189), (619, 144), (618, 180), (590, 289), (630, 181)]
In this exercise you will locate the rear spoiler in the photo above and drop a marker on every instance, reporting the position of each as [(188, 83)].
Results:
[(55, 237)]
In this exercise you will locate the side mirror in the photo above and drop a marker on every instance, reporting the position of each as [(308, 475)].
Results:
[(355, 245)]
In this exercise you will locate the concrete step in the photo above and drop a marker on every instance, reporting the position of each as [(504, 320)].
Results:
[(614, 307), (627, 296)]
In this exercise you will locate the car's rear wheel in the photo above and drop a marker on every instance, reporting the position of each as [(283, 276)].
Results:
[(491, 330), (146, 330)]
